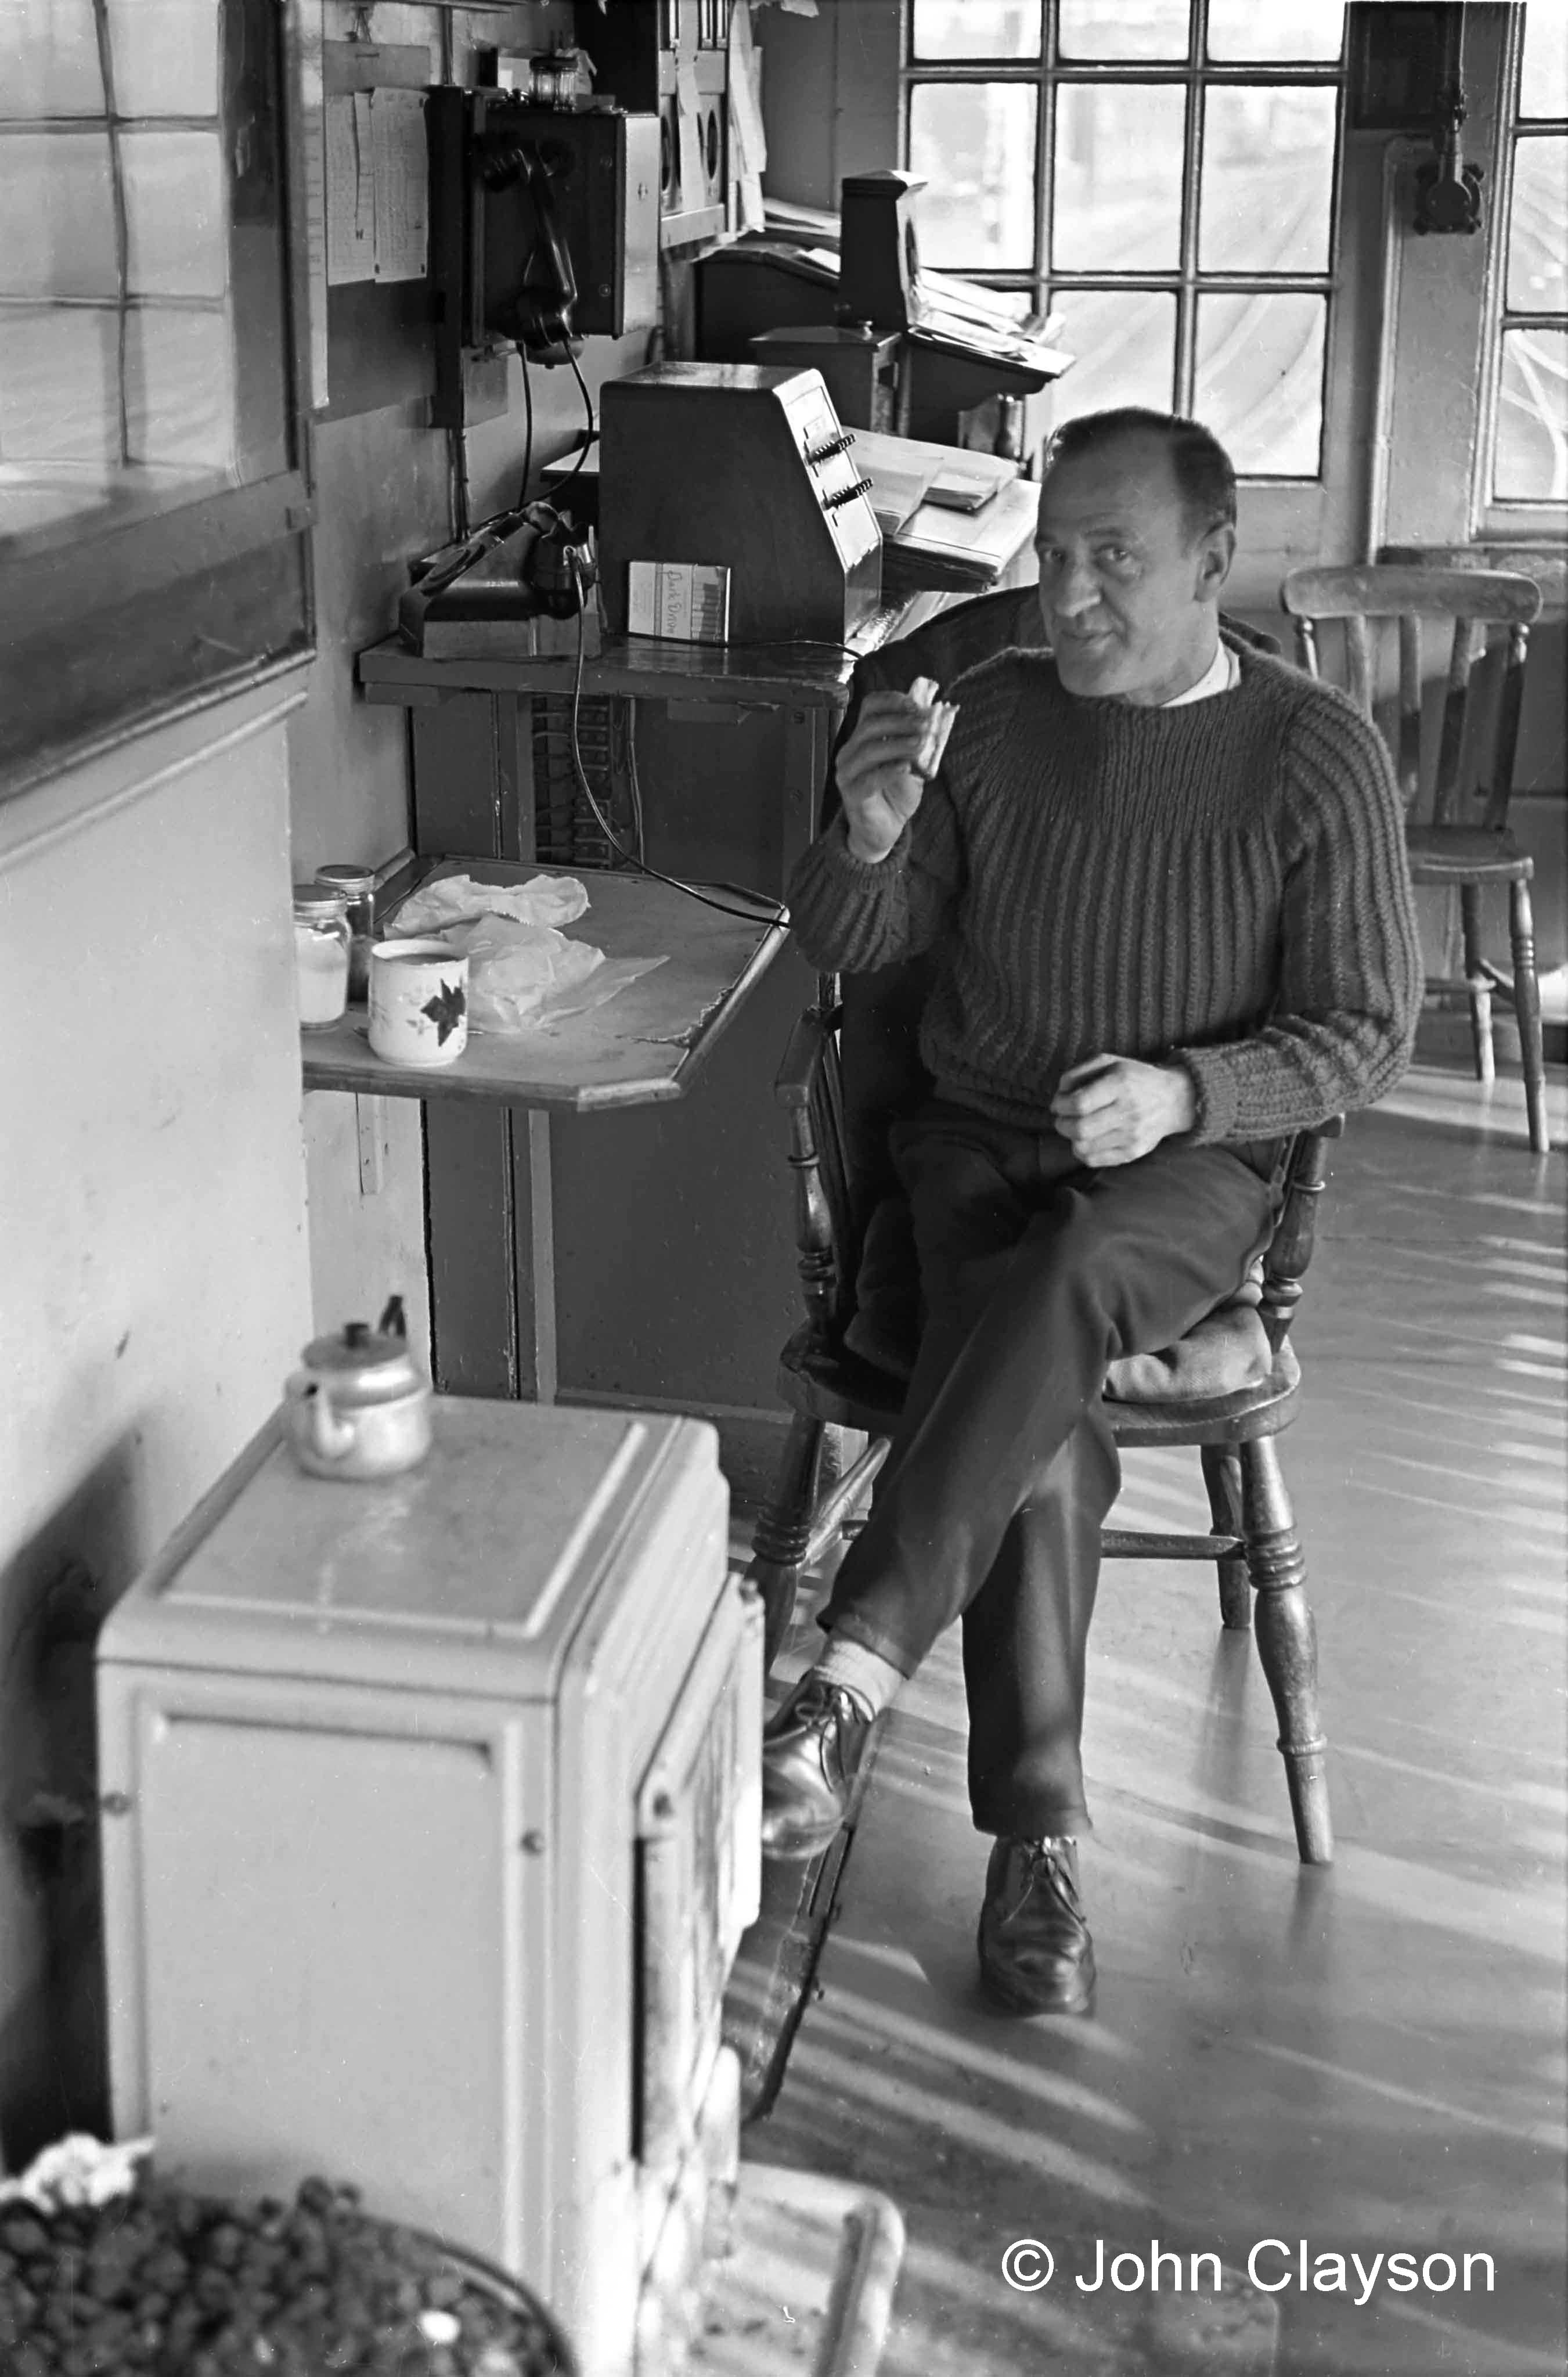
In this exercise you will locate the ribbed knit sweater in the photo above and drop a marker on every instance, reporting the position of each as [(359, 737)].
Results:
[(1222, 884)]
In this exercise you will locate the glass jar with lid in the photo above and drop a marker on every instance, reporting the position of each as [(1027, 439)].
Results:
[(321, 953), (357, 886)]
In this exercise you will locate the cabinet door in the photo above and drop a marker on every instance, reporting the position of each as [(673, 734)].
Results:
[(327, 1947)]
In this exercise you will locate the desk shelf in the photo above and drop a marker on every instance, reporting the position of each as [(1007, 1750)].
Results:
[(791, 675), (645, 1045)]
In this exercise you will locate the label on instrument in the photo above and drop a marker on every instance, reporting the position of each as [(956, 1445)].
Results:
[(685, 600)]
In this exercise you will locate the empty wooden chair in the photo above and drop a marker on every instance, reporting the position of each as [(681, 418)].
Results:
[(1458, 839)]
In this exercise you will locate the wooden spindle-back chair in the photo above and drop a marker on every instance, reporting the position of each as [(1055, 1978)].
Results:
[(1253, 1540), (1457, 838), (851, 1065)]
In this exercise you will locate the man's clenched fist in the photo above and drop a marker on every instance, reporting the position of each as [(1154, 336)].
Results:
[(884, 767), (1113, 1109)]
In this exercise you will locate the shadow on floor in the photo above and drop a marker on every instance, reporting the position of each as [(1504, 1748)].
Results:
[(1362, 2060)]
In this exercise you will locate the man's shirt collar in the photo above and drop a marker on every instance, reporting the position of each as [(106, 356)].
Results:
[(1219, 677)]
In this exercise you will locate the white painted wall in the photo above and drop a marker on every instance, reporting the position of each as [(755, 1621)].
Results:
[(382, 497), (172, 1228), (154, 1283)]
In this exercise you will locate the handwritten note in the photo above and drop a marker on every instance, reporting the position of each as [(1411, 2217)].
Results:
[(377, 186), (350, 190), (401, 180)]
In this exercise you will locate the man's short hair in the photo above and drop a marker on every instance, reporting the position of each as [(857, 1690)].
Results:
[(1205, 478)]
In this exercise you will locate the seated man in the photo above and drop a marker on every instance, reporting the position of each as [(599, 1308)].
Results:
[(1163, 883)]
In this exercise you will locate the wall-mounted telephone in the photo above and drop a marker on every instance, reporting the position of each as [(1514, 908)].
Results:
[(539, 312), (543, 227)]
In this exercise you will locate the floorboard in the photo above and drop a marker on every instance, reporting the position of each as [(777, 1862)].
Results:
[(1370, 2058)]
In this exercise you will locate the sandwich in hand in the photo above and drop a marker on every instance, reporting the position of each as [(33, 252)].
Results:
[(940, 718)]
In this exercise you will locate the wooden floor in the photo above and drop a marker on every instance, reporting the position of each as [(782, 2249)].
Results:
[(1369, 2058)]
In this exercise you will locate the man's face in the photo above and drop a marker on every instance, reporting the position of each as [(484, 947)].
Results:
[(1128, 595)]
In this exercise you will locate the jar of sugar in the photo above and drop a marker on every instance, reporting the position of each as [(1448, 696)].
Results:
[(322, 938), (357, 886)]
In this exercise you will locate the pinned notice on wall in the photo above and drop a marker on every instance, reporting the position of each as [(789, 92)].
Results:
[(377, 186), (749, 141), (688, 109)]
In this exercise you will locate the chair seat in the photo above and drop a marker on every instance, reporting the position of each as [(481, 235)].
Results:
[(849, 1392), (1239, 1418), (1443, 854), (838, 1388)]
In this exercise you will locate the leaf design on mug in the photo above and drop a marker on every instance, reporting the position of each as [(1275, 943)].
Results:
[(446, 1011)]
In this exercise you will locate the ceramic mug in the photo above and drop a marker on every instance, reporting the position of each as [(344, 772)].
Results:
[(419, 1002)]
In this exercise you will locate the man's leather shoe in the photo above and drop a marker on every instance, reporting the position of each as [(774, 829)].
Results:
[(1035, 1955), (810, 1752)]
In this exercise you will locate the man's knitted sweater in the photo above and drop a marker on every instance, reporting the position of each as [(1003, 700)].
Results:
[(1223, 884)]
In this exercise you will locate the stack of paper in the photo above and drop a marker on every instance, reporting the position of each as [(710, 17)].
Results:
[(899, 474), (908, 472)]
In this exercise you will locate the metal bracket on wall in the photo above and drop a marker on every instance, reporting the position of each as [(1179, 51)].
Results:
[(370, 1124)]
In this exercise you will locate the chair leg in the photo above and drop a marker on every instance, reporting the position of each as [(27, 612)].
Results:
[(782, 1530), (1526, 1008), (1222, 1476), (1286, 1644), (1477, 982)]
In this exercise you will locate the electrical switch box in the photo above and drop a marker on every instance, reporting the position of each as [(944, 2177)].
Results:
[(748, 467)]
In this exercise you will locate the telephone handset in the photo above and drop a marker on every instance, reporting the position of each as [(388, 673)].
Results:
[(541, 313), (544, 230)]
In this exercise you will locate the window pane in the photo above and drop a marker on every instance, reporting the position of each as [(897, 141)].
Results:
[(56, 215), (1537, 222), (58, 379), (975, 28), (1125, 343), (1267, 180), (119, 386), (1118, 195), (1532, 418), (50, 68), (165, 54), (975, 144), (1124, 28), (1543, 76), (1246, 28), (180, 389), (177, 238), (1260, 380)]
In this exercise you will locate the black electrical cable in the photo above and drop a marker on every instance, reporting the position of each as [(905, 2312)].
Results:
[(458, 460), (590, 434), (786, 644), (778, 923), (527, 429), (791, 644)]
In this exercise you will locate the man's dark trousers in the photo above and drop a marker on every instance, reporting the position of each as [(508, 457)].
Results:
[(1037, 1273)]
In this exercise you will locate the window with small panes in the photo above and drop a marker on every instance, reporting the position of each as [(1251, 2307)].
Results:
[(1159, 174)]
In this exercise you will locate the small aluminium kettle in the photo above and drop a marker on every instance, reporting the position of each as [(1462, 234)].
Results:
[(360, 1407)]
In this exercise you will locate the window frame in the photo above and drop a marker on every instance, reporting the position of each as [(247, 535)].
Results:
[(110, 626), (1197, 74), (1522, 519)]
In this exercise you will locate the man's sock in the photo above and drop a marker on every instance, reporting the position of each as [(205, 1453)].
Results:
[(873, 1680)]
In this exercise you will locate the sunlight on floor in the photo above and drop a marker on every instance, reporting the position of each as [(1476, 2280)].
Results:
[(1369, 2057)]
